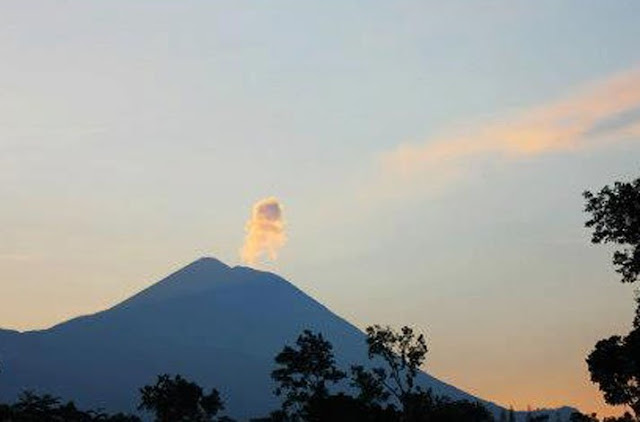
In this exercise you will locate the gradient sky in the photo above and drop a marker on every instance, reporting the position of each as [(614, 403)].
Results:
[(430, 157)]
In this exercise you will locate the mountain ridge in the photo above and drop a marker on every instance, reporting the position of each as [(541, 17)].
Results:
[(219, 325)]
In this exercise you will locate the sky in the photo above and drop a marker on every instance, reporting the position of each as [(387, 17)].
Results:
[(429, 158)]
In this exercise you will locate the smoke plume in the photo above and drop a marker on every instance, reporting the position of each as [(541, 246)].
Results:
[(265, 231)]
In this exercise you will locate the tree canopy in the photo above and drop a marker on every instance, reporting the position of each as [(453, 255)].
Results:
[(174, 399), (614, 364), (615, 218), (402, 352), (304, 372)]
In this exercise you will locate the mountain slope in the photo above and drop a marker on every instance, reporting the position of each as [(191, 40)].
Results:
[(217, 325)]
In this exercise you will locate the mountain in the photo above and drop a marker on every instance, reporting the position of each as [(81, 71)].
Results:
[(217, 325)]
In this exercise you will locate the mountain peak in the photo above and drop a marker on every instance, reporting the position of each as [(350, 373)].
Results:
[(217, 324), (209, 258), (207, 262), (199, 275)]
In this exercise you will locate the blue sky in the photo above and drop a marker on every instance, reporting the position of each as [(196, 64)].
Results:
[(135, 137)]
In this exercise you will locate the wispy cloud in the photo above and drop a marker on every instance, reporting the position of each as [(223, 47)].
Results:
[(574, 123)]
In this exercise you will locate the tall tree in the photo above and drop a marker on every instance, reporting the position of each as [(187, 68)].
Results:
[(614, 364), (304, 373), (402, 353)]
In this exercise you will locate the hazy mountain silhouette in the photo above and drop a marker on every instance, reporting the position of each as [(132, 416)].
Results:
[(217, 325)]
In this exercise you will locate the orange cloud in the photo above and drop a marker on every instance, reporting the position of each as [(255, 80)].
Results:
[(570, 124), (265, 231)]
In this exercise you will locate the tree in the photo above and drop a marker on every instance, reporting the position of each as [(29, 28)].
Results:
[(580, 417), (402, 353), (304, 373), (626, 417), (32, 407), (178, 400), (306, 370), (614, 364), (425, 407), (615, 218), (370, 391), (335, 407)]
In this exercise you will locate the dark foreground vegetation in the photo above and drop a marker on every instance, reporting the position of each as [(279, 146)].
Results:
[(313, 389)]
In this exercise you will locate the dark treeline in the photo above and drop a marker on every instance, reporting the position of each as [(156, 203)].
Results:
[(308, 382), (32, 407), (312, 388)]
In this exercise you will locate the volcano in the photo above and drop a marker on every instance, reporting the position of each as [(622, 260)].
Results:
[(220, 326)]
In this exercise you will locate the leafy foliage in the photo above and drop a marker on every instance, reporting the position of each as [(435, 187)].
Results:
[(174, 399), (370, 390), (615, 218), (403, 353), (304, 371), (32, 407), (580, 417), (614, 364), (423, 406)]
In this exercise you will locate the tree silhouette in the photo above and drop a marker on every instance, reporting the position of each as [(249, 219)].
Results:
[(615, 218), (32, 407), (342, 407), (580, 417), (423, 406), (304, 372), (402, 354), (614, 364), (178, 400), (370, 390)]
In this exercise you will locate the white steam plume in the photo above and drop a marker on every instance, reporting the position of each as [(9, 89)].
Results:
[(265, 231)]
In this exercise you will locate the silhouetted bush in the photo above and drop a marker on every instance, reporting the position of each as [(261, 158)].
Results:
[(32, 407), (174, 399)]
